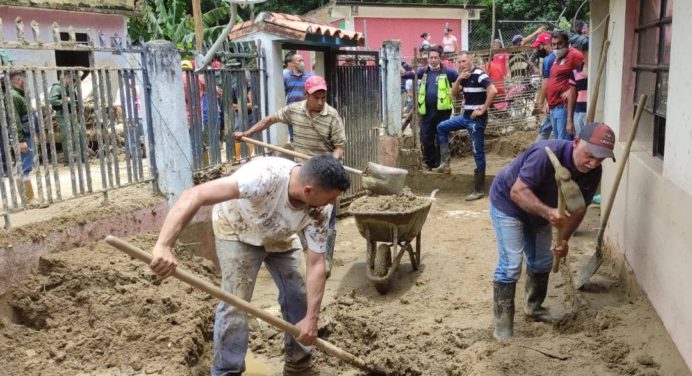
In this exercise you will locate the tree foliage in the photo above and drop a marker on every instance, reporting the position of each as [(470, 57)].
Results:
[(172, 19)]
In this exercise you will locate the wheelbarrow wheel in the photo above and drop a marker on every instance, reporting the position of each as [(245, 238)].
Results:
[(383, 261)]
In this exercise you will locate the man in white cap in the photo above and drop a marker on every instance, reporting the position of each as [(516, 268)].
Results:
[(317, 129)]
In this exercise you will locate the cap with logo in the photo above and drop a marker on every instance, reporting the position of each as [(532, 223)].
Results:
[(315, 83), (542, 38), (600, 139)]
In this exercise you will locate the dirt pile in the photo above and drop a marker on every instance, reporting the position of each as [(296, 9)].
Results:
[(398, 203), (94, 309)]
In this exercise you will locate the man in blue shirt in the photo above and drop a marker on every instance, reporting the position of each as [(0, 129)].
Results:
[(479, 92), (523, 201), (434, 102), (294, 83)]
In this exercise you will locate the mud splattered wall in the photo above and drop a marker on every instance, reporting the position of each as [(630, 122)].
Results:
[(650, 223)]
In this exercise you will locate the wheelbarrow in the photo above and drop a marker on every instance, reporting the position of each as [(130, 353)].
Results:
[(395, 231)]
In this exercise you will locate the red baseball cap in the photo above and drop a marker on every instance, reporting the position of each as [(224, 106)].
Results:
[(600, 139), (315, 83), (542, 38)]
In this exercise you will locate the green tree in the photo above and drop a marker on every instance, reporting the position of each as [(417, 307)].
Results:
[(172, 20)]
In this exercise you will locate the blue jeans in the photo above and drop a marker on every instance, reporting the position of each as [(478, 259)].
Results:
[(476, 128), (515, 239), (28, 158), (579, 122), (240, 263), (545, 129), (558, 117)]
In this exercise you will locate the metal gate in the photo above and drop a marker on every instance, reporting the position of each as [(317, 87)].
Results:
[(358, 99), (224, 98), (83, 127)]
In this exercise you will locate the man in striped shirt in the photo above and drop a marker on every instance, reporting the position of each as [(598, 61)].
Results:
[(318, 130), (294, 83), (479, 93)]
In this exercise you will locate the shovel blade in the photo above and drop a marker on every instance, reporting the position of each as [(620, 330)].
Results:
[(384, 180), (589, 269), (574, 199)]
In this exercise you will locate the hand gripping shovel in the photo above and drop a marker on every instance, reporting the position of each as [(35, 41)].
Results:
[(597, 259), (569, 197), (377, 178), (241, 304)]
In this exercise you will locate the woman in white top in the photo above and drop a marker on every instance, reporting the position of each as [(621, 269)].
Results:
[(449, 43)]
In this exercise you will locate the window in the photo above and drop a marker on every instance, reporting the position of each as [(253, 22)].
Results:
[(651, 71)]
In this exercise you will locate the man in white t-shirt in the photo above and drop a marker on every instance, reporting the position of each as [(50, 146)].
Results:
[(257, 212)]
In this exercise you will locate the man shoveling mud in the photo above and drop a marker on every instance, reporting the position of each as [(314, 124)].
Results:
[(523, 200), (257, 212), (316, 129)]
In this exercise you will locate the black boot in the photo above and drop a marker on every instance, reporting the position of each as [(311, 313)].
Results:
[(478, 183), (536, 291), (503, 299), (445, 157)]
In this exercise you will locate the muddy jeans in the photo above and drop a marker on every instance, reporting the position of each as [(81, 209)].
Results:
[(516, 240), (240, 263)]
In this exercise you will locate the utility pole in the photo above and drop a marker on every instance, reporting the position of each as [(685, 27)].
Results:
[(197, 17)]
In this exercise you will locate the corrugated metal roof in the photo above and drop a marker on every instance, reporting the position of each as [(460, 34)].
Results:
[(294, 27)]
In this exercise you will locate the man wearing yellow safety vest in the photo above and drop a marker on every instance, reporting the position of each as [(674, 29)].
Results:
[(434, 102)]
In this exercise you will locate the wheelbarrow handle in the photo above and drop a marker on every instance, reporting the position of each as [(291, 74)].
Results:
[(290, 152), (233, 300)]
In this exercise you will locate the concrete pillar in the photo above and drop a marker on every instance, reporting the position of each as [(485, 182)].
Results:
[(391, 58), (172, 148)]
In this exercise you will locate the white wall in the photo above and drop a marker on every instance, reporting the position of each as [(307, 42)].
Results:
[(651, 225)]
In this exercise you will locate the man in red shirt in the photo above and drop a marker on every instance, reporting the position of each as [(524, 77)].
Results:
[(560, 98)]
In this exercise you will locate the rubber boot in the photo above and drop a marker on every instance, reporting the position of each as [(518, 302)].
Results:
[(478, 182), (329, 254), (444, 167), (536, 291), (503, 299)]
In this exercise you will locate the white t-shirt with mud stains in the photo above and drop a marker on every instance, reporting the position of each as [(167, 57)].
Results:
[(264, 216)]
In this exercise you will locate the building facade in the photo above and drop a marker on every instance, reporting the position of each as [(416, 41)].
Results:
[(650, 226)]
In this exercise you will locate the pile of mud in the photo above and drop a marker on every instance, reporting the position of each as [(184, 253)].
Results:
[(399, 203), (96, 310)]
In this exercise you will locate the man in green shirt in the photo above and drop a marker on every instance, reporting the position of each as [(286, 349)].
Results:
[(63, 118), (23, 124)]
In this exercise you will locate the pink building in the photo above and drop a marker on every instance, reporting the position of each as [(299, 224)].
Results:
[(90, 19), (405, 22)]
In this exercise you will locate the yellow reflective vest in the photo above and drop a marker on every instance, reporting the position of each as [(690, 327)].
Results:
[(444, 93)]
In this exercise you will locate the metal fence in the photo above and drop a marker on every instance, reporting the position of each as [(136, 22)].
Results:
[(513, 106), (358, 99), (223, 99), (85, 132)]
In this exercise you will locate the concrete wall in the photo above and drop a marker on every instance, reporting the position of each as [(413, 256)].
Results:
[(90, 23), (650, 225)]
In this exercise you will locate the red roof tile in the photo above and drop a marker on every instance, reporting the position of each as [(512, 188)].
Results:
[(294, 27)]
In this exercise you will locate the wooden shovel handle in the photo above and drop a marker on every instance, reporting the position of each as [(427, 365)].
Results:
[(560, 206), (290, 152), (241, 304)]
